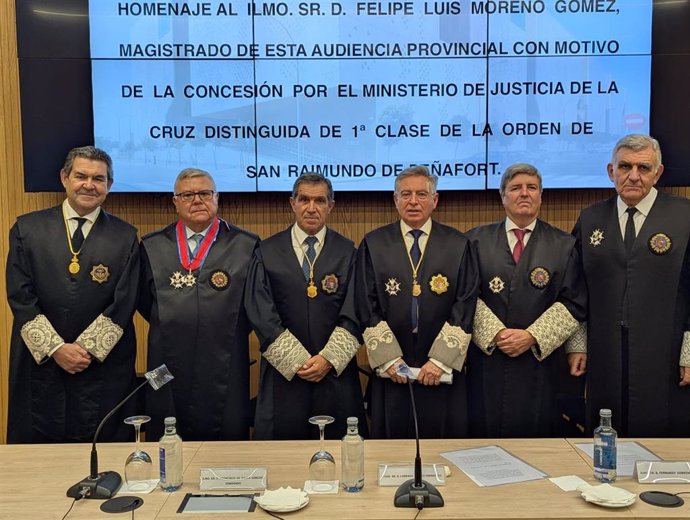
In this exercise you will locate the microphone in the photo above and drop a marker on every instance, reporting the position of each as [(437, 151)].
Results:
[(106, 484), (416, 492)]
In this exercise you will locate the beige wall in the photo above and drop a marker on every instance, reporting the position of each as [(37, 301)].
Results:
[(263, 214)]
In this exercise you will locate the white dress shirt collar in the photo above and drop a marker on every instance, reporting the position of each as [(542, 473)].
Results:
[(510, 225), (70, 213), (644, 206), (426, 227), (299, 235)]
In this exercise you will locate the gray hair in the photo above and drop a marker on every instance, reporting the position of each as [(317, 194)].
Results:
[(191, 173), (637, 143), (517, 169), (92, 154), (312, 178), (418, 170)]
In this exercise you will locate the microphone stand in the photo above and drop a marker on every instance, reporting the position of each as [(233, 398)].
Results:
[(105, 484), (417, 492)]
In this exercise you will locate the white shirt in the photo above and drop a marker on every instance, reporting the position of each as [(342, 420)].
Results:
[(512, 238), (300, 248), (189, 233), (643, 208), (423, 238), (72, 215)]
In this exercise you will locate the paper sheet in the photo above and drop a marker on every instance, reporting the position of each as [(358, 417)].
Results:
[(492, 466), (627, 454)]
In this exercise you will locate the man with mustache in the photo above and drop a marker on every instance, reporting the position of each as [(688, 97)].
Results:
[(72, 275), (635, 250), (192, 286)]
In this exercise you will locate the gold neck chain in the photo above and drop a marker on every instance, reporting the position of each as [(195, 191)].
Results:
[(311, 288), (416, 288), (73, 267)]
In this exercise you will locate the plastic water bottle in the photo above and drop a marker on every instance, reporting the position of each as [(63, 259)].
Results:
[(605, 448), (352, 458), (170, 457)]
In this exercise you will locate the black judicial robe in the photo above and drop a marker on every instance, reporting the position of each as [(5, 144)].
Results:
[(442, 409), (277, 300), (201, 333), (515, 397), (46, 404), (658, 287)]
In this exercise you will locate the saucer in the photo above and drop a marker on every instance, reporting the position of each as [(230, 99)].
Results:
[(282, 500)]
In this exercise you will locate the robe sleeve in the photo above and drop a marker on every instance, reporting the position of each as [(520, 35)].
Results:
[(450, 345), (278, 345), (577, 342), (381, 344), (39, 335), (685, 346), (103, 333), (344, 341), (557, 323), (485, 327)]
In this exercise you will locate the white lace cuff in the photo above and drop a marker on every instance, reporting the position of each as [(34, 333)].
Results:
[(381, 344), (450, 346), (442, 366), (577, 342), (286, 354), (340, 349), (99, 338), (685, 350), (40, 338), (551, 329), (485, 327)]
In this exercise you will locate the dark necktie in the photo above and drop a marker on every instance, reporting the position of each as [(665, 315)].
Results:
[(78, 235), (519, 245), (309, 257), (196, 238), (629, 236), (415, 256)]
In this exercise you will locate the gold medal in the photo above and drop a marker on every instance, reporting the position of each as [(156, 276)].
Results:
[(416, 289), (74, 265), (439, 284), (311, 290)]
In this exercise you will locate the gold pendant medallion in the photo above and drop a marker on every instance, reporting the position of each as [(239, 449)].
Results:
[(74, 265), (311, 290), (416, 289)]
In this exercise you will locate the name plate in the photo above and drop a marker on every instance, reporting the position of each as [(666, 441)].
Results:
[(224, 479), (662, 472), (395, 473)]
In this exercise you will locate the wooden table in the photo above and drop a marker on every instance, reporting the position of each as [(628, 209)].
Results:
[(34, 479)]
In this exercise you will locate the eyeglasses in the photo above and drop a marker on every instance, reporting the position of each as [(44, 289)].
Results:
[(421, 196), (188, 196)]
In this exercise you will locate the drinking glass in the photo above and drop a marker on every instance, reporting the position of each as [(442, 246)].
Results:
[(138, 468), (322, 463)]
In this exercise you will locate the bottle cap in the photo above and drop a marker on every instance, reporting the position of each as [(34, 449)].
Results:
[(352, 421), (605, 412), (170, 421)]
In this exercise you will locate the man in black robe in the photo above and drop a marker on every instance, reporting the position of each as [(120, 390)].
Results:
[(532, 298), (300, 300), (636, 260), (192, 288), (416, 293), (72, 274)]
